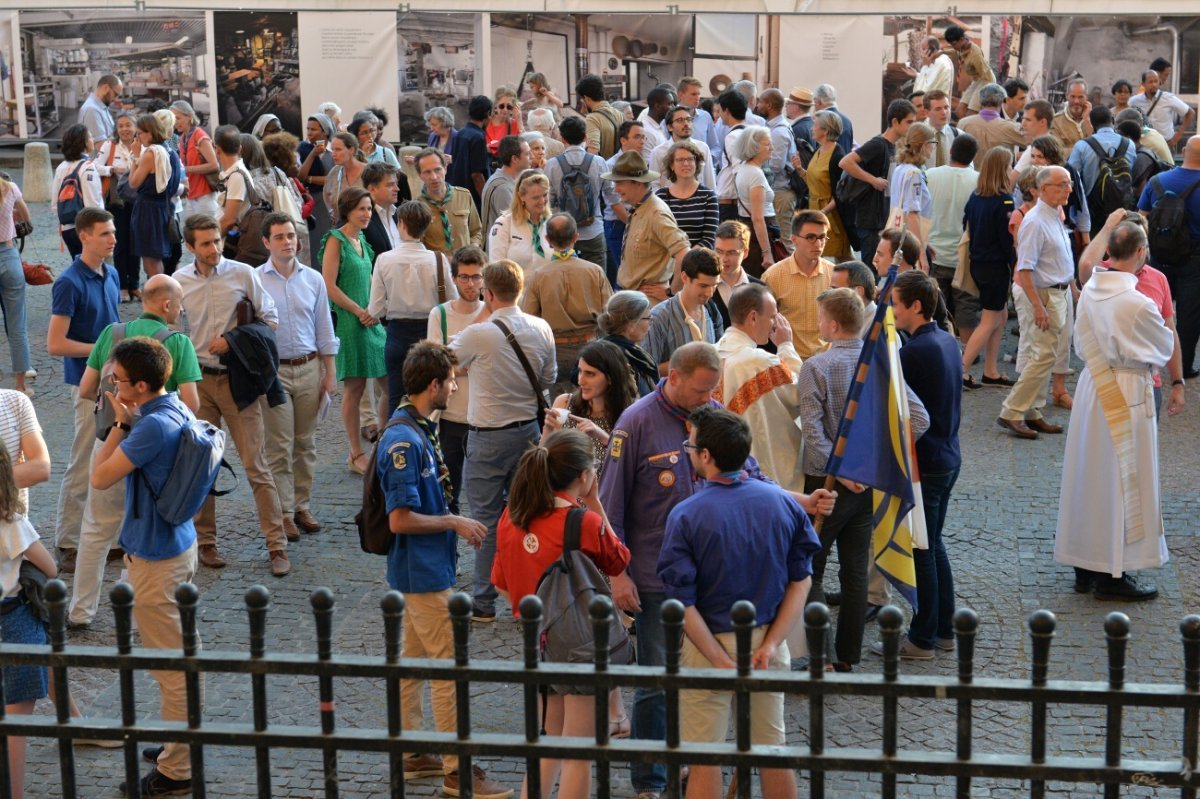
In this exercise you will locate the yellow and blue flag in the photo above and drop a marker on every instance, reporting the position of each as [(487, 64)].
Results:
[(878, 452)]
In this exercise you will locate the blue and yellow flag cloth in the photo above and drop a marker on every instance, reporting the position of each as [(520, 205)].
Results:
[(879, 453)]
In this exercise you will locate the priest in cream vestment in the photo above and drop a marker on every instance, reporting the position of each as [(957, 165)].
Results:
[(1109, 520), (760, 386)]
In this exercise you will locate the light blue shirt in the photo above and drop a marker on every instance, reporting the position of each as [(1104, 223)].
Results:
[(609, 189), (302, 302), (95, 116), (1044, 247), (783, 147), (705, 130), (1084, 158)]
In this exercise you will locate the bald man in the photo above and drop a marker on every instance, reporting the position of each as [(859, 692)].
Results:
[(162, 299), (1182, 277)]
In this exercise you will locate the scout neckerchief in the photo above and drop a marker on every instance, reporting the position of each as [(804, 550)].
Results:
[(666, 404), (562, 255), (440, 207), (431, 432), (729, 478), (537, 238)]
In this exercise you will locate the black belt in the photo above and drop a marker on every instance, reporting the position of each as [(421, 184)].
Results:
[(212, 370), (509, 426), (1058, 286)]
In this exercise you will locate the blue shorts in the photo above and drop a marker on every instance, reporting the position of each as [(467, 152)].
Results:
[(21, 626)]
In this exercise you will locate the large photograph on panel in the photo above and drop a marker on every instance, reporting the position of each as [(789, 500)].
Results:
[(258, 68), (160, 57), (436, 61)]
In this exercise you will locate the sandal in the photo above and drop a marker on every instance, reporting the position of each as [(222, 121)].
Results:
[(352, 462), (1063, 400), (619, 728)]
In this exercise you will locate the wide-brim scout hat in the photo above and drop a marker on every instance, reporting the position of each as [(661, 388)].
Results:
[(631, 166)]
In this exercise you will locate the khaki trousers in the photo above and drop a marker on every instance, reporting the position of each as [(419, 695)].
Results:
[(427, 633), (157, 616), (101, 526), (291, 451), (72, 497), (1027, 398), (785, 210), (246, 430)]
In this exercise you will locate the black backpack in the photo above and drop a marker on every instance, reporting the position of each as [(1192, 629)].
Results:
[(566, 590), (70, 196), (1146, 166), (575, 195), (1113, 189), (1170, 240), (374, 532)]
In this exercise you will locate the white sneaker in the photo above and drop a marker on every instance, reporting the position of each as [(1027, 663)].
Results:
[(908, 650), (31, 374)]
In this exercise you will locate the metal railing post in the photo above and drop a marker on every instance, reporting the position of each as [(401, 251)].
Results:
[(743, 616), (816, 631), (122, 599), (1189, 630), (56, 601), (890, 619), (258, 600), (392, 606), (1041, 630), (531, 622), (187, 597), (461, 606), (966, 626), (322, 605), (671, 614), (601, 611)]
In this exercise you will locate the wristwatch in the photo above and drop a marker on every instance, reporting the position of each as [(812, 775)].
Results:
[(122, 425), (1178, 382)]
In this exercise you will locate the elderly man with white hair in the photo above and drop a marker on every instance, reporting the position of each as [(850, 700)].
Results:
[(825, 99), (541, 120)]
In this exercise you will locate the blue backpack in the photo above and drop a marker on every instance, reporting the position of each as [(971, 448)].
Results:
[(193, 475)]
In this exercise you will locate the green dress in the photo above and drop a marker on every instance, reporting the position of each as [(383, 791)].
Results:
[(360, 353)]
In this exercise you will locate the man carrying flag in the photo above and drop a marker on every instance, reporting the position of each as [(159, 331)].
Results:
[(881, 460), (932, 368)]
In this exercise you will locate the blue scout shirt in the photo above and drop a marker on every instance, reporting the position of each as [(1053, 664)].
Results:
[(736, 539), (89, 299), (151, 447), (408, 473)]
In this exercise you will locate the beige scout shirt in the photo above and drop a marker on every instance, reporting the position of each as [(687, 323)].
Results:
[(465, 226), (1068, 131), (796, 294), (651, 241), (569, 294)]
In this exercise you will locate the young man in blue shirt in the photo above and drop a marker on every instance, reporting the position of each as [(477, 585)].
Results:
[(158, 555), (424, 553), (736, 538), (933, 371), (84, 301)]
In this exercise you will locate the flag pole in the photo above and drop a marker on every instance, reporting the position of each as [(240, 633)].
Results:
[(860, 376)]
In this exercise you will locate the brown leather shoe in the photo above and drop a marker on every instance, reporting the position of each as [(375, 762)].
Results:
[(210, 557), (484, 788), (280, 565), (1042, 426), (289, 529), (307, 522), (416, 766), (116, 553), (1017, 427), (66, 560)]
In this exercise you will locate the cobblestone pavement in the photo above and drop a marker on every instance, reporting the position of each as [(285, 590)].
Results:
[(999, 533)]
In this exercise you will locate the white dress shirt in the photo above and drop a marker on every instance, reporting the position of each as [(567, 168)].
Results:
[(936, 76), (388, 217), (302, 301), (404, 283), (211, 303), (500, 392)]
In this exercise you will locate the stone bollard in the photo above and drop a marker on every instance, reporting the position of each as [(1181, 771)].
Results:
[(39, 177)]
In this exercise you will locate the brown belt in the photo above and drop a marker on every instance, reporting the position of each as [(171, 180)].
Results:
[(212, 370), (298, 361), (726, 202), (580, 339)]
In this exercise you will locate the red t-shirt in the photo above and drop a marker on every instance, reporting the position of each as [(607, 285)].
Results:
[(495, 131), (517, 569), (189, 153)]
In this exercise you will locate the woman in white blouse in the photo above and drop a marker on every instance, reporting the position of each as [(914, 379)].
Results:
[(520, 233), (117, 158)]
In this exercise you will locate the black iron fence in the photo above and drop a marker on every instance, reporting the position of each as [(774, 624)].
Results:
[(1110, 768)]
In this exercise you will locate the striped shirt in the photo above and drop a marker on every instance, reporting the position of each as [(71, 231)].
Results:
[(697, 216), (17, 419)]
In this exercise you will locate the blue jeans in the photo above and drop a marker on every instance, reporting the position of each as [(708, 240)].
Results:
[(935, 580), (650, 704), (614, 236), (491, 460), (12, 298)]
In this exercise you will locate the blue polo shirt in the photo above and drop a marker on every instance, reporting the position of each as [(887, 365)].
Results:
[(151, 447), (89, 299), (408, 472), (470, 155), (933, 370), (737, 538)]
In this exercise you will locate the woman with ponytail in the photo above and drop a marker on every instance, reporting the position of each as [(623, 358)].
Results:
[(549, 481)]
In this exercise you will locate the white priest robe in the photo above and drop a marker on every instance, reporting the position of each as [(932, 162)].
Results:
[(761, 387), (1092, 520)]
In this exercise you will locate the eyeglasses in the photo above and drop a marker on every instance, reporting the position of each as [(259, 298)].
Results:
[(684, 159), (470, 278), (129, 380), (504, 107), (815, 237), (688, 446), (647, 318)]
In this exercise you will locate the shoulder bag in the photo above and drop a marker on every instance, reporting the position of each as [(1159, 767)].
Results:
[(540, 394)]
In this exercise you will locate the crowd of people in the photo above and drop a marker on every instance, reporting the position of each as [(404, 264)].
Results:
[(655, 320)]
